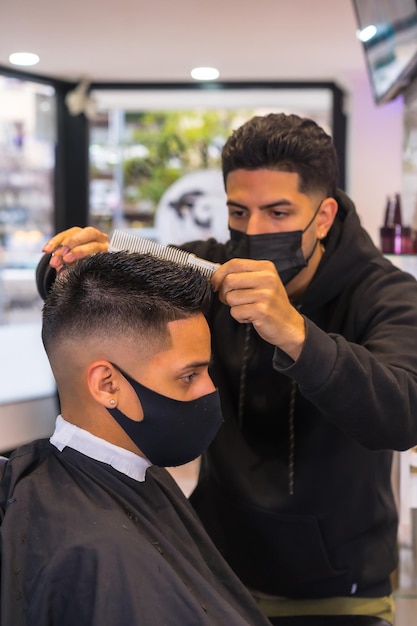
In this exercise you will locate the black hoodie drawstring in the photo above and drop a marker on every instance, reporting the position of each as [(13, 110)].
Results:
[(291, 427), (242, 380), (291, 438)]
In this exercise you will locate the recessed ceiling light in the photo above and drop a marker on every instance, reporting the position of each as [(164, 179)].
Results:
[(205, 73), (23, 58)]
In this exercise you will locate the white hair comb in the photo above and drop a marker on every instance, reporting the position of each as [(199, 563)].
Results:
[(122, 241)]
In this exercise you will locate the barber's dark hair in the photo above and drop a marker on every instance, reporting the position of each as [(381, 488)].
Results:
[(286, 143), (116, 293)]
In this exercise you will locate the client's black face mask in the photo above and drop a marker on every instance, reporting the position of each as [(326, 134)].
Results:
[(172, 432), (284, 249)]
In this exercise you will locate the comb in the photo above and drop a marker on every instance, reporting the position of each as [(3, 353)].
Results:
[(122, 241)]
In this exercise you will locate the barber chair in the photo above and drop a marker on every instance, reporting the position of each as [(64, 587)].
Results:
[(329, 620)]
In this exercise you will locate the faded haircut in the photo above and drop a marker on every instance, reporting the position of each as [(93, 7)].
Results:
[(119, 293), (287, 143)]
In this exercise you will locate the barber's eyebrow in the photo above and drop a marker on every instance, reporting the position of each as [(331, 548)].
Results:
[(270, 205)]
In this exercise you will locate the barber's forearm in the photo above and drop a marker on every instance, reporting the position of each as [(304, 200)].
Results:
[(293, 340), (372, 401)]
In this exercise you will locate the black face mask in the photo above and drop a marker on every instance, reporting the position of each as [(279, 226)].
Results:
[(284, 249), (172, 432)]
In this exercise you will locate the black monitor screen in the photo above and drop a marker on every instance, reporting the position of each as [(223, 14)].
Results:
[(388, 31)]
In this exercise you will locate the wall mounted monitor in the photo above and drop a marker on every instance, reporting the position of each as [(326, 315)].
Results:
[(388, 32)]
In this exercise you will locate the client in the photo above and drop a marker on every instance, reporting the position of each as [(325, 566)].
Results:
[(94, 531)]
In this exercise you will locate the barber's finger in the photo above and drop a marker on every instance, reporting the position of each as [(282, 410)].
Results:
[(58, 240), (65, 256), (234, 266), (57, 255), (75, 237)]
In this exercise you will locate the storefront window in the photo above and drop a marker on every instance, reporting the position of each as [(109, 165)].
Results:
[(27, 148), (27, 162), (155, 155)]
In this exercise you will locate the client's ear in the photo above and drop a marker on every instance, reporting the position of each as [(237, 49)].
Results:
[(102, 383)]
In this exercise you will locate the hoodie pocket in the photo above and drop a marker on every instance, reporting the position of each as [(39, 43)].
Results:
[(271, 552)]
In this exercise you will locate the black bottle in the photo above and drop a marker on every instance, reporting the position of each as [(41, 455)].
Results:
[(387, 231)]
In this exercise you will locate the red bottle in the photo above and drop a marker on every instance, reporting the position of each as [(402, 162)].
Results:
[(402, 234)]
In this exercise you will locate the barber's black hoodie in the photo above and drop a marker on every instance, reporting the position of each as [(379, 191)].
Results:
[(355, 388), (296, 488)]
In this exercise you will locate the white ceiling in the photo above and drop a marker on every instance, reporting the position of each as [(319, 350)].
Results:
[(161, 40)]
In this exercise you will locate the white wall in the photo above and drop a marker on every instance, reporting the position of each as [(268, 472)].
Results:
[(28, 405), (374, 152), (22, 422)]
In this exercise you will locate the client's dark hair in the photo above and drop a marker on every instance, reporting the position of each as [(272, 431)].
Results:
[(116, 293), (286, 143)]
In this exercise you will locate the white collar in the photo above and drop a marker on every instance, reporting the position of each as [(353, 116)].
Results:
[(124, 461)]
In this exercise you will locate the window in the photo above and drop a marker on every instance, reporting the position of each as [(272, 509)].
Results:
[(155, 154), (27, 149)]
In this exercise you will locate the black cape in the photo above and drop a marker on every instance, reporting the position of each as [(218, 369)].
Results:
[(84, 544)]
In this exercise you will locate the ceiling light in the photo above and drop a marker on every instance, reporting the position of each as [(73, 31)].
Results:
[(205, 73), (24, 58)]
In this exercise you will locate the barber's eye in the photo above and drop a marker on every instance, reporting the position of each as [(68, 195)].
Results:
[(277, 213), (237, 213)]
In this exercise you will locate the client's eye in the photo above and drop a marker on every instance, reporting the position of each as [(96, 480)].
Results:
[(189, 377)]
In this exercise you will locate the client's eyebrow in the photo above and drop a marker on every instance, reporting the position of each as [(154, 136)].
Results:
[(195, 365)]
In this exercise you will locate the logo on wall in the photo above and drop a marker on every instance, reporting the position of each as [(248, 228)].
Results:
[(194, 207)]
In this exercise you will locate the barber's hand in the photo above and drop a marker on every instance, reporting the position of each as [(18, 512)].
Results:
[(255, 294), (73, 244)]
